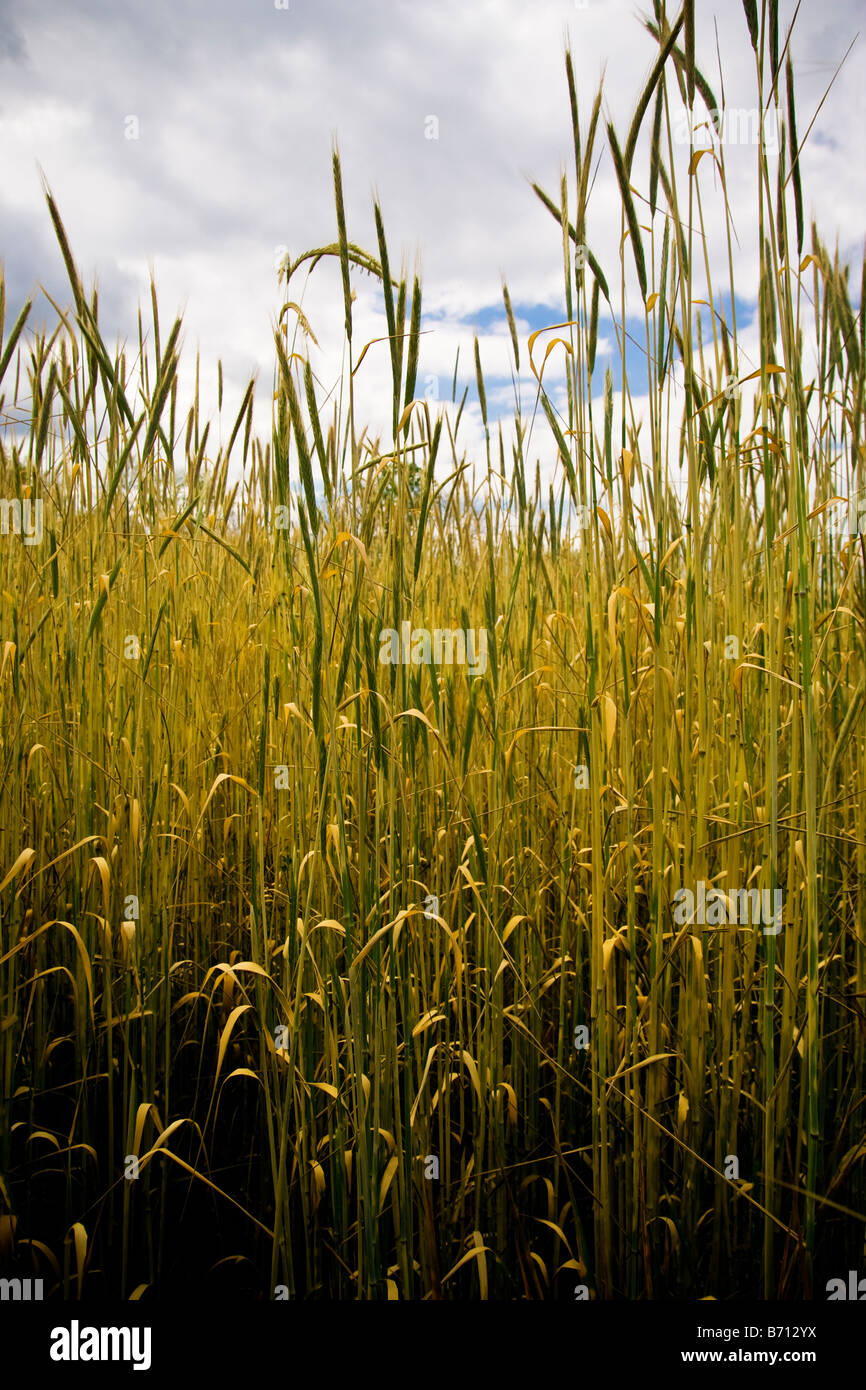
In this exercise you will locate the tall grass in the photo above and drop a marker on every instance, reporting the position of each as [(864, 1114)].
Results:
[(240, 1043)]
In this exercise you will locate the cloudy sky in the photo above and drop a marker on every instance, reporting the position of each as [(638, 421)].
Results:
[(193, 138)]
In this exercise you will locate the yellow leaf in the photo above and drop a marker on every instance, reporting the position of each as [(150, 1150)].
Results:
[(43, 1134), (417, 714), (773, 370), (227, 1031), (342, 538), (482, 1262), (25, 941), (251, 968), (607, 949), (331, 926), (473, 1072), (682, 1110), (79, 1237), (327, 1088), (550, 346), (611, 617), (368, 946), (226, 777), (558, 1229), (476, 1253), (35, 749), (670, 550), (608, 714), (647, 1061), (141, 1115), (364, 354), (291, 711), (651, 302), (406, 413), (319, 1180), (801, 858), (512, 1101), (549, 329), (605, 521), (513, 924), (427, 1021), (20, 863), (390, 1170), (244, 1071), (105, 875)]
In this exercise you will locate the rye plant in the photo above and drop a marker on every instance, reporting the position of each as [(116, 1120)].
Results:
[(326, 977)]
